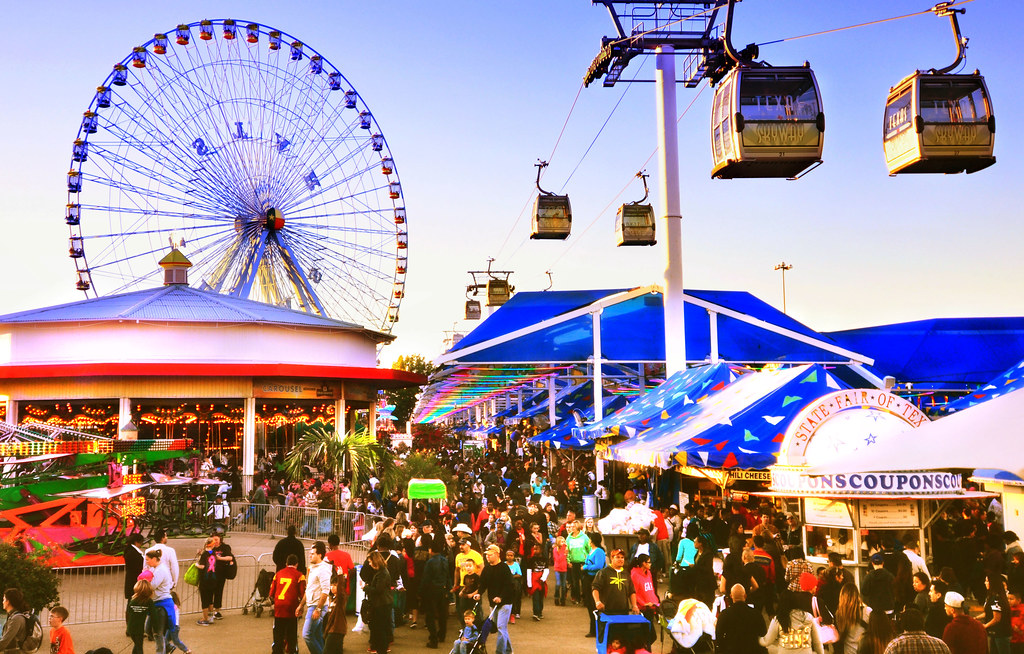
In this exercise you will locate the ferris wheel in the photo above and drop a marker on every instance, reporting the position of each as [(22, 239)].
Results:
[(248, 149)]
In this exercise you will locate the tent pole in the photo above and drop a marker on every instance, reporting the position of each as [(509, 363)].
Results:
[(598, 385)]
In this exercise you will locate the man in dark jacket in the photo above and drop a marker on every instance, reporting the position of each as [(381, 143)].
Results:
[(290, 545), (739, 626), (133, 562), (434, 590), (877, 587), (496, 580)]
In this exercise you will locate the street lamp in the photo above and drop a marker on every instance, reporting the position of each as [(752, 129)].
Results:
[(784, 267)]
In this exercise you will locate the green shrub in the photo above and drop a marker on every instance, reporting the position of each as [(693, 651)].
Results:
[(29, 573)]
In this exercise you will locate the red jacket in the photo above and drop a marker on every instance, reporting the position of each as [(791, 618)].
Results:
[(965, 635)]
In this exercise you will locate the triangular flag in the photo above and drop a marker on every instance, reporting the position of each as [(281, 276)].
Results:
[(703, 457), (773, 420), (725, 421), (747, 436), (831, 382), (730, 461), (812, 377), (790, 399)]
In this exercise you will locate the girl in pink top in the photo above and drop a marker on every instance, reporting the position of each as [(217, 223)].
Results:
[(646, 598), (560, 558)]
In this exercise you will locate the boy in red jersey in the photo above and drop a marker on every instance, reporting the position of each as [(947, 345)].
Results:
[(286, 590)]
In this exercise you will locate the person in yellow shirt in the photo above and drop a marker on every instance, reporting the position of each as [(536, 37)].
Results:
[(467, 561)]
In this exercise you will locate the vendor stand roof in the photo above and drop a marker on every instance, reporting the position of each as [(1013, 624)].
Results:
[(427, 489), (741, 426)]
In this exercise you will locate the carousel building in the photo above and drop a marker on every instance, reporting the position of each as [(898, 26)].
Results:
[(234, 375)]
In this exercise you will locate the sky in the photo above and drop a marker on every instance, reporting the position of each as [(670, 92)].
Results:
[(471, 94)]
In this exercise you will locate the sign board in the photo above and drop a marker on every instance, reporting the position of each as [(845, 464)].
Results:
[(751, 475), (296, 389), (786, 479), (473, 446), (887, 514), (827, 513)]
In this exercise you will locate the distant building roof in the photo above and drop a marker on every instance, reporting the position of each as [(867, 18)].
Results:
[(180, 303)]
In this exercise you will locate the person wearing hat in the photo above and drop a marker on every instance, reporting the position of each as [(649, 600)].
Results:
[(877, 587), (963, 634)]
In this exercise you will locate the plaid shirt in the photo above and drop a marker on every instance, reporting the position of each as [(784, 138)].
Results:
[(916, 642), (794, 569)]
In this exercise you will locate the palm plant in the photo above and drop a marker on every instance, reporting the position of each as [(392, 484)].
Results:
[(320, 446)]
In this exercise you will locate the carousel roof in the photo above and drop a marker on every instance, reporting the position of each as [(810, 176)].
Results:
[(179, 303)]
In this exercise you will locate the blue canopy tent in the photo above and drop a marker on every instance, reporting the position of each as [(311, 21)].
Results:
[(682, 388), (575, 395), (1010, 380), (564, 435), (742, 426), (557, 328)]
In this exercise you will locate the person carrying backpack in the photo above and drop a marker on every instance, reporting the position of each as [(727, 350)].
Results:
[(22, 632)]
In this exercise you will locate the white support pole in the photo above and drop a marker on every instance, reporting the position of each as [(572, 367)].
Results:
[(12, 411), (668, 151), (551, 401), (340, 417), (124, 417), (713, 321), (248, 443), (598, 387)]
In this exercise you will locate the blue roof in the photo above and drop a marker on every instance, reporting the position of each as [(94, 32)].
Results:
[(621, 323), (941, 353), (1011, 380), (176, 303)]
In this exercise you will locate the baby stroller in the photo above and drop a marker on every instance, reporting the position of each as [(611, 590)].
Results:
[(479, 646), (692, 626), (260, 596), (626, 628)]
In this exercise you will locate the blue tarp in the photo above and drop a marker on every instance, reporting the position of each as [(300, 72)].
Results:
[(942, 353), (741, 426), (621, 323), (571, 397), (564, 436), (1010, 380), (649, 409)]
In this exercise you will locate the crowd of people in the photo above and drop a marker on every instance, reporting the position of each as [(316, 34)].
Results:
[(511, 538)]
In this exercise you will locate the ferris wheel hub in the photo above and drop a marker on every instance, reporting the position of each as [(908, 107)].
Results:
[(275, 220)]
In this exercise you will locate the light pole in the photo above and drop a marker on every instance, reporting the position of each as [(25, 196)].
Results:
[(783, 267)]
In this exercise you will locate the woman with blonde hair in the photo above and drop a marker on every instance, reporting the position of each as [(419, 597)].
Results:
[(851, 620)]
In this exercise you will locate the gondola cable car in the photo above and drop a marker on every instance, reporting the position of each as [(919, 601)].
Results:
[(939, 122), (765, 121), (472, 306), (634, 222), (552, 213)]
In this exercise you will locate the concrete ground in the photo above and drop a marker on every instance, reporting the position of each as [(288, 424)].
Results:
[(562, 628)]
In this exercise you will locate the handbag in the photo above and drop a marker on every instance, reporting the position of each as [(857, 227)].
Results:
[(828, 632), (192, 575)]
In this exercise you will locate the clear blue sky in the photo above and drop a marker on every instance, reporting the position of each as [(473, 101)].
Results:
[(470, 94)]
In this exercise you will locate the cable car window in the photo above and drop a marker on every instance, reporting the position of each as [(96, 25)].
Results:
[(778, 96), (948, 101), (899, 114)]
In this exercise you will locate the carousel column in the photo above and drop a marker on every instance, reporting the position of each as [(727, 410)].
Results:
[(248, 445), (12, 411), (126, 430), (371, 419), (340, 417)]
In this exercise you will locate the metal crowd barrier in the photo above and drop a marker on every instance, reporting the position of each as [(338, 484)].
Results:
[(96, 593)]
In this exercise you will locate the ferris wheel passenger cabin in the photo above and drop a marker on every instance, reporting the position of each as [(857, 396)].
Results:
[(766, 122)]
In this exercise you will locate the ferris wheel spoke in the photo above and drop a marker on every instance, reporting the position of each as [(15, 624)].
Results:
[(380, 231), (353, 261), (297, 277)]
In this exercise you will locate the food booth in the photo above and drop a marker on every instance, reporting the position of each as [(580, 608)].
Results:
[(856, 513)]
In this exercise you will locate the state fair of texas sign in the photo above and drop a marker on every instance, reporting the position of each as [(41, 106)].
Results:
[(845, 422)]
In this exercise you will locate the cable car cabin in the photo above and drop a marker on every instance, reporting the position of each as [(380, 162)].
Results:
[(552, 217), (472, 310), (939, 124), (634, 225), (766, 122), (498, 292)]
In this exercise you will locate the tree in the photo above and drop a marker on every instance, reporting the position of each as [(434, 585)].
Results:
[(404, 399), (430, 436), (30, 573), (417, 466), (323, 448)]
